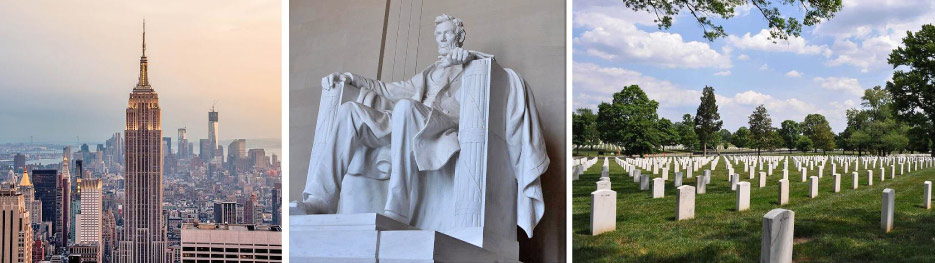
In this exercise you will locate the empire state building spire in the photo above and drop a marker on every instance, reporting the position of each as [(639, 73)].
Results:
[(143, 83)]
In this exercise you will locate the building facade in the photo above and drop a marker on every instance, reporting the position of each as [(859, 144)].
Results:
[(218, 243), (15, 230), (145, 235)]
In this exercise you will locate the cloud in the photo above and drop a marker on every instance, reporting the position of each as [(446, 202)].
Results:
[(594, 84), (761, 42), (743, 57), (611, 33), (866, 31), (722, 73), (793, 74), (845, 84), (764, 67)]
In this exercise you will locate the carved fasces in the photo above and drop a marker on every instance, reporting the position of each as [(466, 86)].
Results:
[(472, 135)]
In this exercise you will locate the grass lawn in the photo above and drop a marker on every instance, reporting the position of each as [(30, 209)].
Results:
[(834, 227)]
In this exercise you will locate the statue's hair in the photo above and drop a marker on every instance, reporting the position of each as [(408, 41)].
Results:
[(457, 23)]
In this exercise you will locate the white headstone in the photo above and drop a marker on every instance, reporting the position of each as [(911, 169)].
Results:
[(743, 196), (700, 184), (813, 187), (603, 211), (927, 195), (783, 191), (734, 178), (685, 203), (869, 177), (659, 187), (886, 220), (678, 179), (778, 230), (762, 179), (837, 182), (644, 182)]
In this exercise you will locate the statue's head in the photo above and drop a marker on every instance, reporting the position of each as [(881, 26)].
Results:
[(449, 33)]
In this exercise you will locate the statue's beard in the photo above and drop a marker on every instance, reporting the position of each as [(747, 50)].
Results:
[(444, 49)]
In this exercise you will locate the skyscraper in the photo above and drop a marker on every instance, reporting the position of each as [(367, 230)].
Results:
[(88, 222), (63, 195), (15, 236), (145, 233), (183, 144), (225, 212), (19, 161), (46, 182), (212, 133), (249, 210)]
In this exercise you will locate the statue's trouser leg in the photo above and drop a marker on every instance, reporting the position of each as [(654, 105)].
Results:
[(408, 119), (355, 125)]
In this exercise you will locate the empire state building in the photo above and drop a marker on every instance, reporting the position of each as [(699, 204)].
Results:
[(145, 234)]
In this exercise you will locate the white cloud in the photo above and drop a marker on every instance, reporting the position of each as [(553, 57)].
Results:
[(722, 73), (793, 74), (764, 67), (761, 42), (866, 31), (743, 57), (849, 85), (594, 84), (611, 34)]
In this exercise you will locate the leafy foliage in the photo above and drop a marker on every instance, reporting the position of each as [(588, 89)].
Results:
[(913, 89), (761, 126), (706, 12), (707, 119), (629, 121)]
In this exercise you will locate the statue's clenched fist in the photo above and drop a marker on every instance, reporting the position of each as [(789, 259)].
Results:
[(329, 81)]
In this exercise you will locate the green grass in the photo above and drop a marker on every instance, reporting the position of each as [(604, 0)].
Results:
[(834, 227)]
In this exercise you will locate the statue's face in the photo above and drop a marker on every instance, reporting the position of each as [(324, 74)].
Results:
[(446, 35)]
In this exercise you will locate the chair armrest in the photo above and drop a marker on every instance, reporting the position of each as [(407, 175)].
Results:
[(327, 112)]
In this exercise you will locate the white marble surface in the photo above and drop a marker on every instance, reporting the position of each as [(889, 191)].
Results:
[(813, 187), (659, 186), (778, 234), (783, 191), (603, 211), (927, 194), (743, 196), (685, 203), (887, 210)]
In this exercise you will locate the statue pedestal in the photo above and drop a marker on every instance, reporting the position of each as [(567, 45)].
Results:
[(372, 237)]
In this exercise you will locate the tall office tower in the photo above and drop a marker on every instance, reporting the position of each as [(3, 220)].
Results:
[(19, 161), (46, 182), (145, 232), (212, 133), (63, 195), (258, 159), (220, 243), (249, 210), (88, 222), (15, 236), (225, 212), (277, 204), (108, 234), (237, 156), (166, 146), (183, 144), (204, 150)]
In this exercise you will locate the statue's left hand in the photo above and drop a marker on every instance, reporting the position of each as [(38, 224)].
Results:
[(458, 56)]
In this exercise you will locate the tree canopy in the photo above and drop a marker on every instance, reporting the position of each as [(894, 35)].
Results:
[(629, 121), (707, 13), (913, 83), (584, 127), (707, 119)]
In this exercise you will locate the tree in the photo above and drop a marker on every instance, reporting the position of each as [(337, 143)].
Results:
[(707, 120), (859, 140), (705, 13), (741, 138), (687, 136), (726, 137), (668, 134), (584, 127), (789, 131), (818, 130), (913, 89), (760, 127), (629, 121), (804, 144)]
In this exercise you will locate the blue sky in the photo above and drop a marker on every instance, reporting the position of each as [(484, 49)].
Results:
[(825, 71)]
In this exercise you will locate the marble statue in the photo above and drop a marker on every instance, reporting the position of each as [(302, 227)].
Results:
[(437, 151)]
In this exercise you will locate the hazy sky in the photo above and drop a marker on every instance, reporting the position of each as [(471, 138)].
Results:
[(825, 71), (67, 67)]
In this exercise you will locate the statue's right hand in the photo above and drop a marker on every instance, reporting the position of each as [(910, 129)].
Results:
[(329, 81)]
